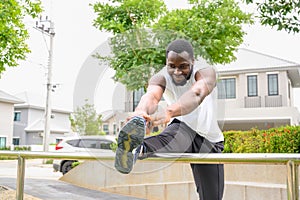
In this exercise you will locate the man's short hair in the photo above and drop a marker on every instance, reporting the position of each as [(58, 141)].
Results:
[(179, 46)]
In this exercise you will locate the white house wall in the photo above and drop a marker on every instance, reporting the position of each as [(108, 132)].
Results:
[(6, 120)]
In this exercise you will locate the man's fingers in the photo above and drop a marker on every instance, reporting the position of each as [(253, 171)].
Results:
[(147, 117), (158, 122)]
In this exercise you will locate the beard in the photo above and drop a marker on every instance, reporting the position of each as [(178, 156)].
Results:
[(182, 80)]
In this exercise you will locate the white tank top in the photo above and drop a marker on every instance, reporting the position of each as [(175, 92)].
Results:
[(204, 118)]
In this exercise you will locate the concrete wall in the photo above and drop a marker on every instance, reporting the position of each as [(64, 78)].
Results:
[(166, 181)]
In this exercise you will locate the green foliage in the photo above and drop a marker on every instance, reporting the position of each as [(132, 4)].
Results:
[(49, 161), (16, 148), (86, 121), (74, 164), (22, 148), (13, 34), (214, 27), (142, 30), (276, 140), (283, 14), (114, 145), (119, 16)]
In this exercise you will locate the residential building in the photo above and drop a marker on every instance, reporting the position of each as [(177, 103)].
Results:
[(7, 102), (256, 91), (30, 123)]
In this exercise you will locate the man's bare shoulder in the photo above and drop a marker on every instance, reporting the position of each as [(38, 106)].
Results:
[(207, 72), (159, 80)]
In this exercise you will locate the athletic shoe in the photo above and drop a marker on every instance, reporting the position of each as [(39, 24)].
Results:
[(130, 137)]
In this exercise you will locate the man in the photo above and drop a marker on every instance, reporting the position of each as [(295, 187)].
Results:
[(191, 113)]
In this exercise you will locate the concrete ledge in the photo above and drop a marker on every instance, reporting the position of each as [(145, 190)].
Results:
[(174, 180), (254, 190)]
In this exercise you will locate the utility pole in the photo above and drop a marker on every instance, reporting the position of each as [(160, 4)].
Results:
[(46, 26)]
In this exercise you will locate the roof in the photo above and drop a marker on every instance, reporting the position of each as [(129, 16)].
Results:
[(249, 61), (32, 100), (106, 115), (7, 98)]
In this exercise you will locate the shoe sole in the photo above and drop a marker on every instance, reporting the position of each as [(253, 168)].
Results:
[(130, 137)]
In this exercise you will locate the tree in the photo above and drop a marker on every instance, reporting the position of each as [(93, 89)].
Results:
[(142, 29), (86, 121), (283, 14), (13, 34)]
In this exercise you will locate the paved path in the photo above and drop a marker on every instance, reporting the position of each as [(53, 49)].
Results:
[(43, 183), (54, 189)]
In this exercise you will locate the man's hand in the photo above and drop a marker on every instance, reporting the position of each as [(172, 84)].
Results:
[(140, 114), (145, 116), (161, 117)]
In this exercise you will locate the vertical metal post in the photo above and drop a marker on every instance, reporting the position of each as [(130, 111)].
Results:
[(20, 178), (292, 181)]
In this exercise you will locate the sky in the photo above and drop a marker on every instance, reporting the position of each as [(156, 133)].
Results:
[(75, 39)]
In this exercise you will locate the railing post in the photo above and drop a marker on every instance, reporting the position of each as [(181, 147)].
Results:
[(20, 178), (292, 181)]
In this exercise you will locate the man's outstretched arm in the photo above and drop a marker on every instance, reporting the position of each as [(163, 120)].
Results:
[(149, 101)]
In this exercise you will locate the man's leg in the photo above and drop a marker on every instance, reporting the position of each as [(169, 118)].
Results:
[(209, 180), (179, 138), (175, 138)]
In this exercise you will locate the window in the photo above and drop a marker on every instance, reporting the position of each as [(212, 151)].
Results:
[(17, 116), (105, 144), (73, 143), (289, 90), (58, 140), (114, 129), (252, 85), (272, 84), (2, 142), (227, 88), (16, 141), (87, 143), (137, 95), (105, 128)]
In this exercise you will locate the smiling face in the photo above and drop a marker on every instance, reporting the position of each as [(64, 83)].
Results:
[(179, 66)]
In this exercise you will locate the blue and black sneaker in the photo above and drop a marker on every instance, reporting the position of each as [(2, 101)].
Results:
[(130, 137)]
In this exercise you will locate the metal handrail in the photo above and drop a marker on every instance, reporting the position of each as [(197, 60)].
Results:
[(290, 160)]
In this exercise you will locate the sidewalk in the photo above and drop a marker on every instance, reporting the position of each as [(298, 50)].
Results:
[(54, 189), (42, 183)]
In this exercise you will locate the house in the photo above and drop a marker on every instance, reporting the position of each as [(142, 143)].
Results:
[(7, 102), (29, 121), (255, 91)]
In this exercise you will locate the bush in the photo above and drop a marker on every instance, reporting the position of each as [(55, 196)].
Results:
[(50, 161), (74, 164), (16, 148), (284, 139)]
